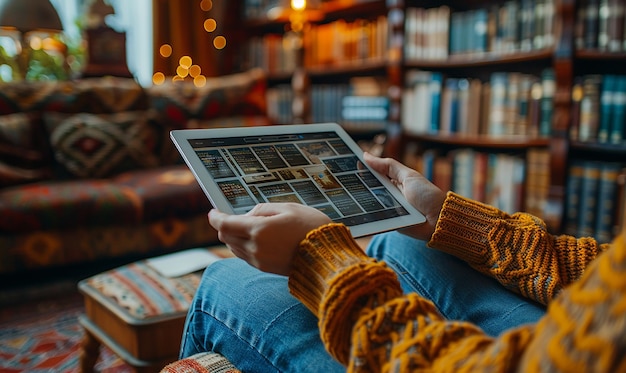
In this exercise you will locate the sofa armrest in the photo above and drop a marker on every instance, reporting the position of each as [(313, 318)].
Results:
[(203, 362)]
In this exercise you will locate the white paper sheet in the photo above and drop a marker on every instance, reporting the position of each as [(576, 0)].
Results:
[(183, 262)]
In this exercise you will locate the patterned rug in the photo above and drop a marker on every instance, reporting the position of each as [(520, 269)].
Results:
[(44, 336)]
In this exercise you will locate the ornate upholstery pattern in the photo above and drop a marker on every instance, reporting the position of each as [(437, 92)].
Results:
[(24, 151), (91, 145), (88, 171)]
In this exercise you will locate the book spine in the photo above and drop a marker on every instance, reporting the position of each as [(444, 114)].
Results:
[(462, 180), (527, 25), (534, 109), (498, 103), (435, 87), (588, 199), (591, 24), (548, 28), (617, 10), (577, 96), (589, 108), (607, 189), (548, 88), (512, 104), (606, 107), (572, 198), (603, 24), (540, 22), (620, 213), (618, 124), (579, 31)]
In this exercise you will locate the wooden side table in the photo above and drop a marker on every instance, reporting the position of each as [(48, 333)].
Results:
[(136, 312)]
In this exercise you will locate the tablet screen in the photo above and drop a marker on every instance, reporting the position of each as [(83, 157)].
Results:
[(321, 169)]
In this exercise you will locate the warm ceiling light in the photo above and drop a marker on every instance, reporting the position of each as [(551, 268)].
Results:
[(219, 42), (165, 50), (158, 78), (185, 61), (194, 71), (298, 5), (182, 71), (210, 25), (206, 5)]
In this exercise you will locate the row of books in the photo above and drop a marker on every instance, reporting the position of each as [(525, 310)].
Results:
[(599, 109), (520, 25), (600, 25), (258, 9), (274, 53), (342, 42), (595, 201), (508, 182), (508, 104)]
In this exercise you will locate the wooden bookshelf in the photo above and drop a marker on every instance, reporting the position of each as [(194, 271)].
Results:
[(565, 51)]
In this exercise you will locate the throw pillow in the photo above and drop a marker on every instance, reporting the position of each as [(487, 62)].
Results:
[(24, 152), (241, 94), (90, 145)]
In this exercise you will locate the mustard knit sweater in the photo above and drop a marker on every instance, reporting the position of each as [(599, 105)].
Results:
[(370, 326)]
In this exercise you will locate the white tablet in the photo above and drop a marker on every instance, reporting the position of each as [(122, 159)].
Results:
[(318, 165)]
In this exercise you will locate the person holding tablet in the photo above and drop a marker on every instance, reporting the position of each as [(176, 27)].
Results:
[(471, 289)]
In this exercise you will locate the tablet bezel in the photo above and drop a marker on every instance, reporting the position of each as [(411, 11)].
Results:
[(218, 200)]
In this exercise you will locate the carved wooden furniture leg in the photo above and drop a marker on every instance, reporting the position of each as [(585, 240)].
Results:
[(90, 350)]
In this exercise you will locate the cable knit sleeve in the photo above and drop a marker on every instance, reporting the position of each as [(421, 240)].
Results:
[(515, 249), (367, 324)]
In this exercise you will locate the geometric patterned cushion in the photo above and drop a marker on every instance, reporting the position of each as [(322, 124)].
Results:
[(141, 293), (95, 146), (24, 152), (98, 96), (230, 95)]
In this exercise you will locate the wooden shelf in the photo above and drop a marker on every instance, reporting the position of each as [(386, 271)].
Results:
[(490, 142), (484, 59)]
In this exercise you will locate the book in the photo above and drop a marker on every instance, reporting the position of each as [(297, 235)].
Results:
[(577, 96), (497, 115), (443, 172), (527, 25), (607, 196), (511, 103), (615, 27), (534, 109), (537, 183), (572, 197), (591, 24), (548, 89), (435, 86), (603, 24), (588, 201), (462, 172), (618, 122), (606, 107), (589, 108), (620, 213)]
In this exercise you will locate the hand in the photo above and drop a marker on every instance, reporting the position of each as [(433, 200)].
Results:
[(268, 236), (426, 197)]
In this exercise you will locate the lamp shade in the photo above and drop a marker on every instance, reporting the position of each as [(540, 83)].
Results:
[(29, 15)]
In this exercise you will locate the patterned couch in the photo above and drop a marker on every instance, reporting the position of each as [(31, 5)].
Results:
[(87, 169)]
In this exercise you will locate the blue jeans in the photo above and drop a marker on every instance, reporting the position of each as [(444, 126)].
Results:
[(249, 316)]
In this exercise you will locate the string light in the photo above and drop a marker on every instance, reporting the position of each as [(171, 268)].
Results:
[(185, 67)]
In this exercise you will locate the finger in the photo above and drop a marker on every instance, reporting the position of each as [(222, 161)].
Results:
[(231, 225), (393, 169), (267, 209)]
